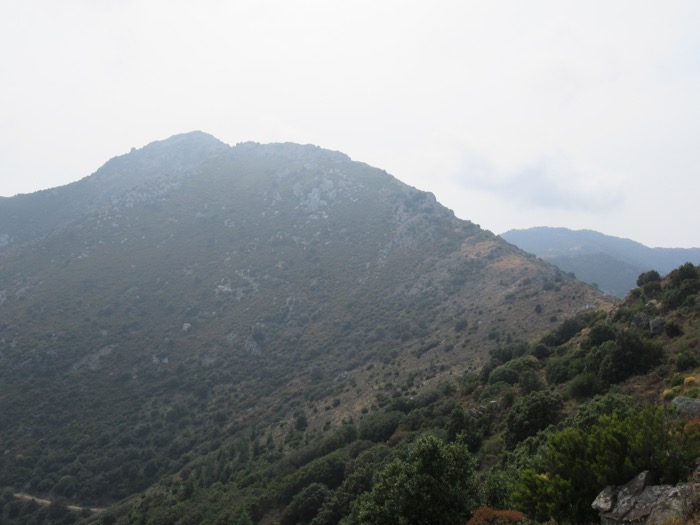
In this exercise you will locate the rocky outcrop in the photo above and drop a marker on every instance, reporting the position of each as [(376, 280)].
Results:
[(640, 321), (687, 406), (656, 325), (640, 502)]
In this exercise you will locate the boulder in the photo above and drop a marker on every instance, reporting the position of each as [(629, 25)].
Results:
[(687, 406), (640, 502), (656, 325), (640, 321)]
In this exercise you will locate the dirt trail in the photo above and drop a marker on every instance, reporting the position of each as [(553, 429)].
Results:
[(41, 501)]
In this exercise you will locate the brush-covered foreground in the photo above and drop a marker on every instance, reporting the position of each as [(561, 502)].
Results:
[(538, 431)]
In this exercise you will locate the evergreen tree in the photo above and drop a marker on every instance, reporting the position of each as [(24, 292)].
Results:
[(434, 485)]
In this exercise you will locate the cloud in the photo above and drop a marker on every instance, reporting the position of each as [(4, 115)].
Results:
[(551, 183)]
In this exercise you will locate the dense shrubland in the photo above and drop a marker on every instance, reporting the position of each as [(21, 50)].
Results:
[(539, 430)]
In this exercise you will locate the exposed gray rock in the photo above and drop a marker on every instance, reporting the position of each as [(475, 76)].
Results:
[(92, 360), (626, 497), (251, 347), (605, 500), (640, 321), (652, 306), (687, 406), (656, 325), (640, 502)]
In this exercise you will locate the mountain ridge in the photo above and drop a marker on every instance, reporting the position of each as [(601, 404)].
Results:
[(26, 216), (613, 263), (241, 291)]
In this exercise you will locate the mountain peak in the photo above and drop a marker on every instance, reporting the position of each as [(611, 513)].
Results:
[(176, 153), (159, 163), (192, 139), (287, 150)]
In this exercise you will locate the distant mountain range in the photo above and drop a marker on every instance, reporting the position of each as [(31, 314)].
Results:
[(612, 263)]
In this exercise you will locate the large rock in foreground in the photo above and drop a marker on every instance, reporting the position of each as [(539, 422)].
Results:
[(640, 502)]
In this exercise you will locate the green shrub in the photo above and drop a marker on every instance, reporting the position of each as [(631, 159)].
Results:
[(583, 386), (464, 427), (531, 414), (358, 480), (602, 405), (510, 372), (599, 334), (503, 374), (328, 470), (673, 329), (686, 360), (304, 505), (682, 273), (300, 422), (461, 325), (542, 351), (496, 487), (652, 289), (379, 426), (581, 462), (435, 484), (676, 380), (682, 294), (530, 382), (648, 277), (564, 332), (493, 391), (557, 370), (629, 355)]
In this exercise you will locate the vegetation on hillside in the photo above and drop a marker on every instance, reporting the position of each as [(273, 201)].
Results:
[(512, 437), (211, 299), (285, 336)]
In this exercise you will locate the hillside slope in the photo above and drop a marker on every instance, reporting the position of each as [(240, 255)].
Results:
[(188, 296)]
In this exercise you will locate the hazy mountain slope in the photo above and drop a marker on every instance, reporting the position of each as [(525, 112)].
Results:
[(204, 291), (149, 169), (611, 262)]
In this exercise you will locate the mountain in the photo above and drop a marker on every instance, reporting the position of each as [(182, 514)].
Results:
[(161, 164), (193, 309), (614, 264)]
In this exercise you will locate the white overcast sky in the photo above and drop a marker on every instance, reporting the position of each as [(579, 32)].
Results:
[(514, 114)]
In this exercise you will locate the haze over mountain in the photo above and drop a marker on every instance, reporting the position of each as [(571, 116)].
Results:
[(89, 79), (192, 311), (612, 263)]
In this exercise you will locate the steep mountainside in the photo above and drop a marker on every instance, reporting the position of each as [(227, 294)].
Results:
[(189, 295), (610, 262)]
